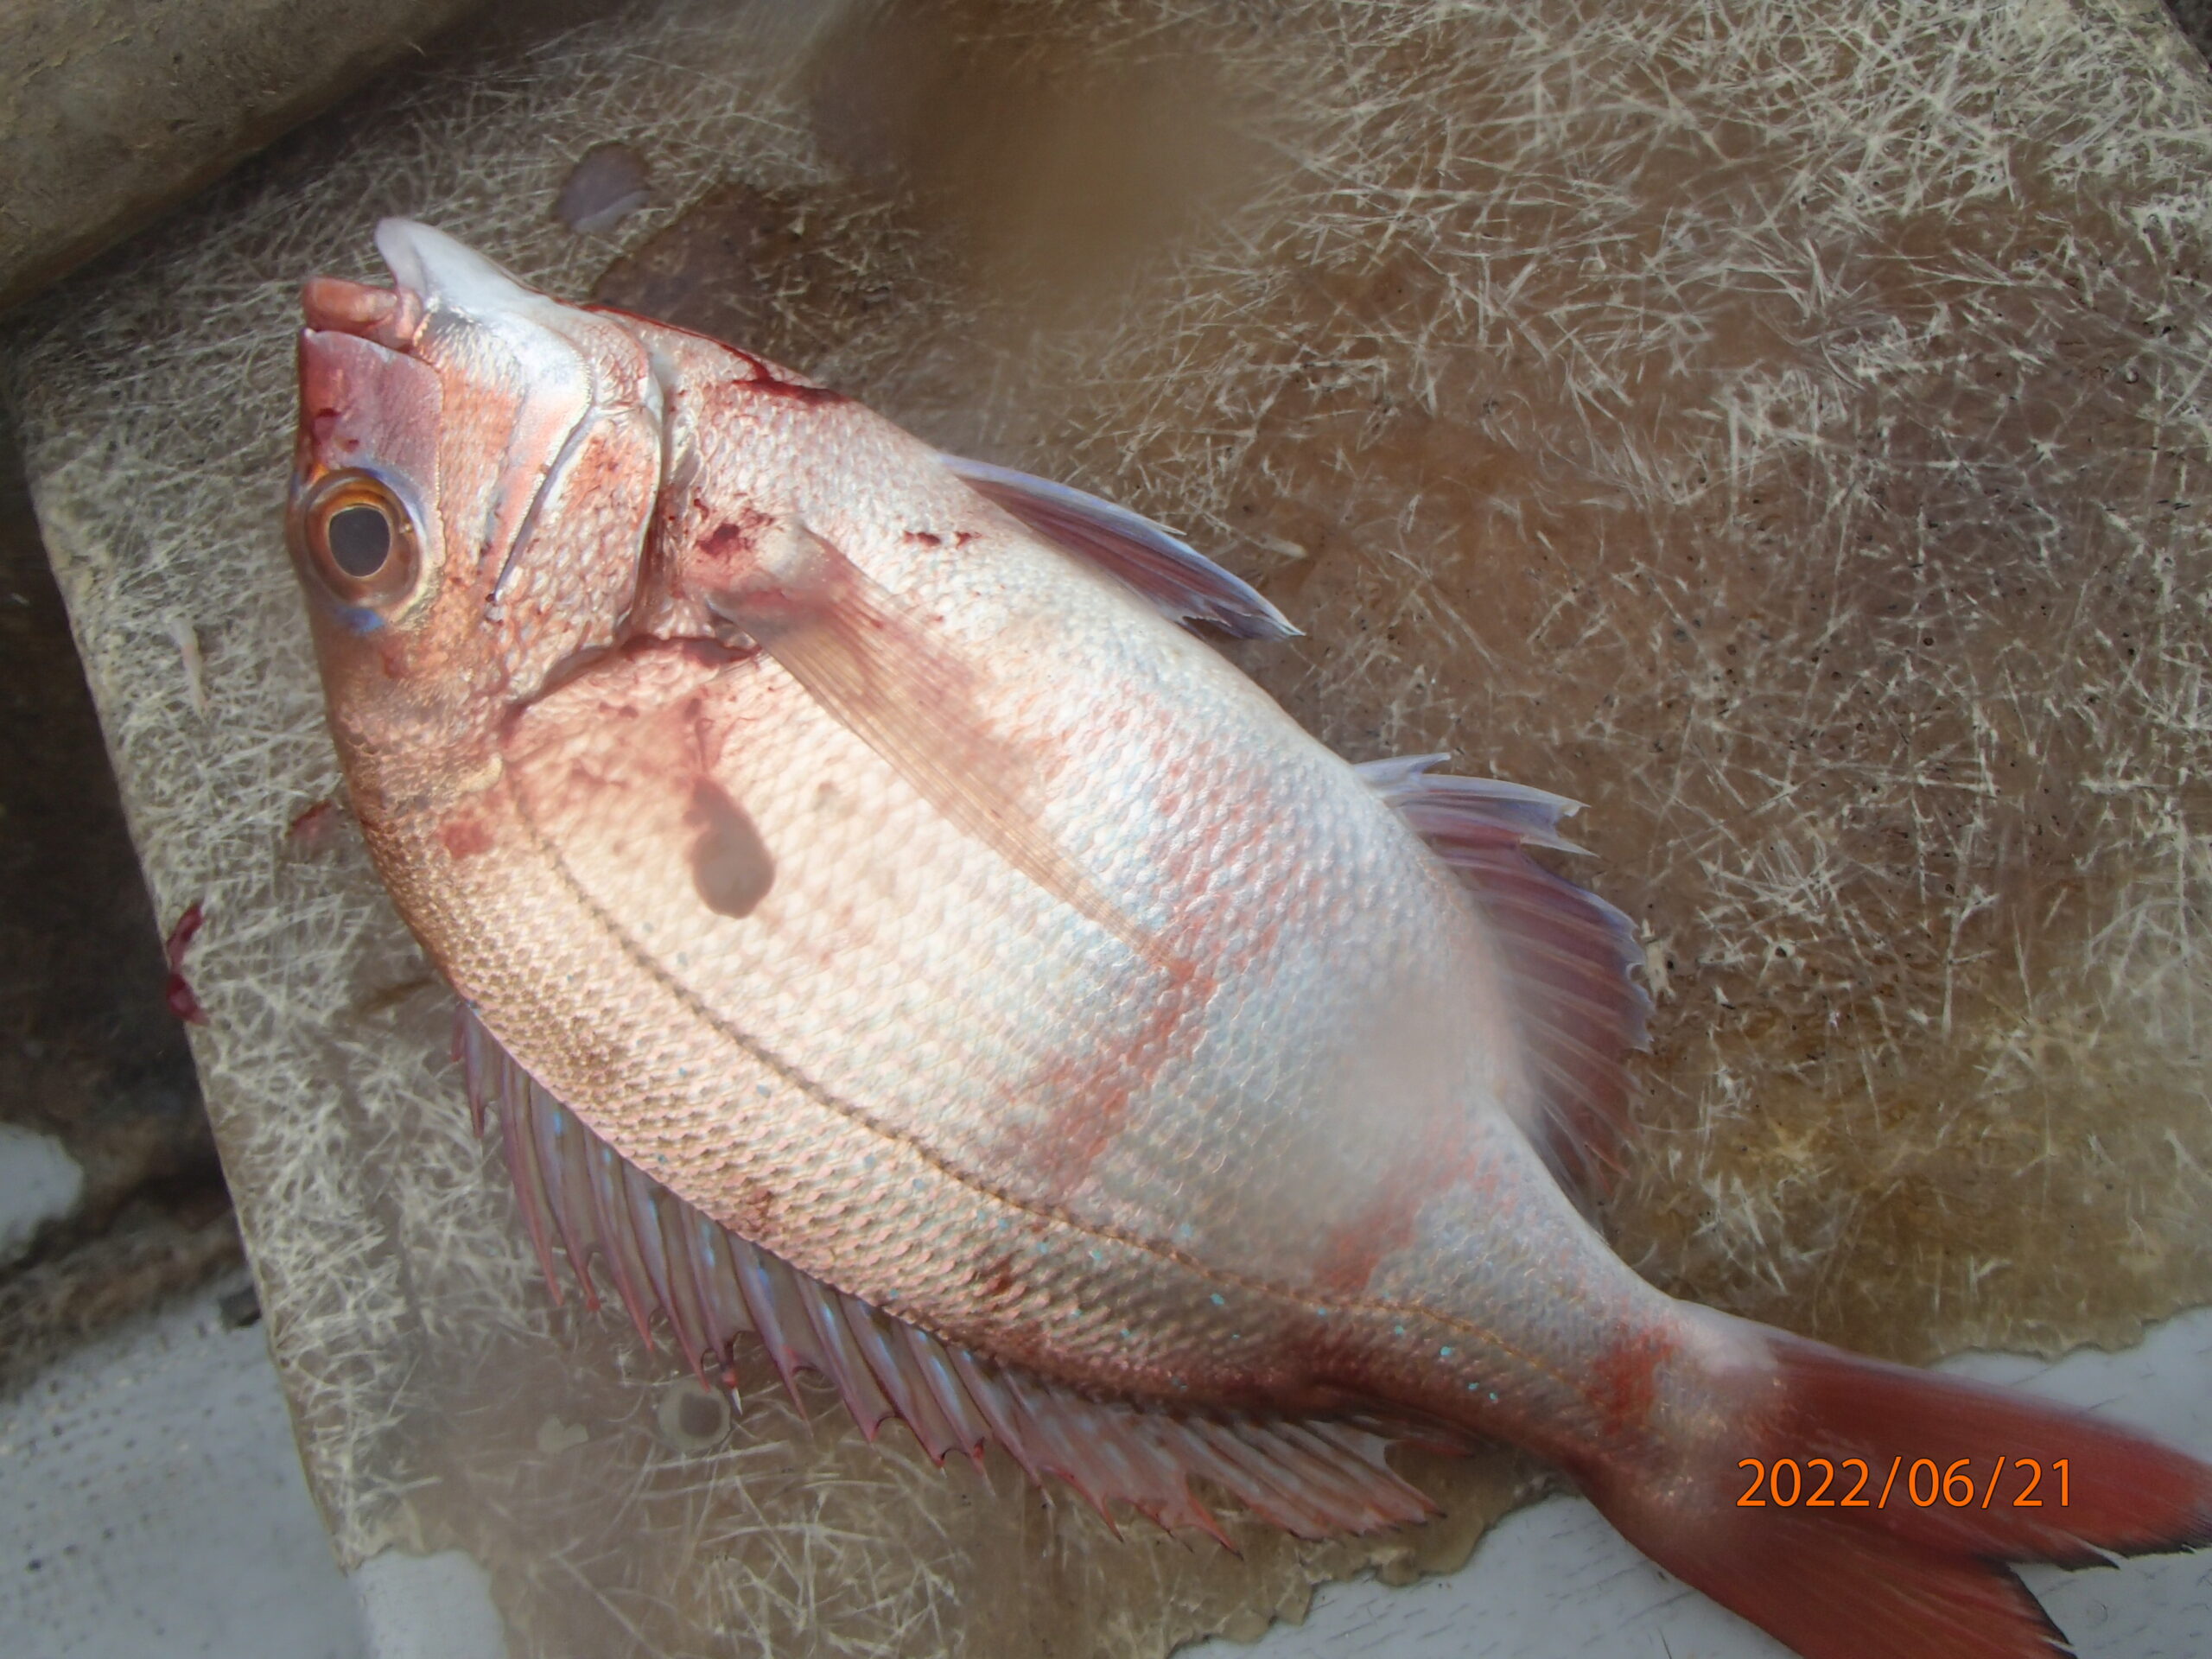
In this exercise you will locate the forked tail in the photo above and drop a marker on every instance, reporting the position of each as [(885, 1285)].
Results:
[(1857, 1510)]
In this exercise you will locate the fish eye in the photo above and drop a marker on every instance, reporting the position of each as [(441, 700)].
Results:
[(360, 537), (360, 540)]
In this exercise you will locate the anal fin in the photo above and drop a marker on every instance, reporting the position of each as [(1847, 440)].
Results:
[(713, 1287)]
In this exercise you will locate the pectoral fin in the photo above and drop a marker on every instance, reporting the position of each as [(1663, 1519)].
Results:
[(854, 648)]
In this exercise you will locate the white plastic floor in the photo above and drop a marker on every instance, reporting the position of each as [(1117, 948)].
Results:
[(151, 1507)]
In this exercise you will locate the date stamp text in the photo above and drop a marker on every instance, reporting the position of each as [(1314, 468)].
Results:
[(1819, 1484)]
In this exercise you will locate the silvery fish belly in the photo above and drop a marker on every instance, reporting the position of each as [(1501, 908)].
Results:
[(887, 932)]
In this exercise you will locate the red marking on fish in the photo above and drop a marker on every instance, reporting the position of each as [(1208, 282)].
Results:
[(1351, 1251), (996, 1279), (774, 384), (464, 836), (1095, 1091), (728, 550), (751, 1210), (1625, 1382)]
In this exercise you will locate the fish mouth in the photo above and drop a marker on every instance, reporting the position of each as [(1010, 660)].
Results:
[(384, 316)]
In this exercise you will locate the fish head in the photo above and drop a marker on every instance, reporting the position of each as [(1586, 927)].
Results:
[(476, 476)]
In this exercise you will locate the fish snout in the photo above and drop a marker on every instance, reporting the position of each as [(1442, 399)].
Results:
[(388, 317)]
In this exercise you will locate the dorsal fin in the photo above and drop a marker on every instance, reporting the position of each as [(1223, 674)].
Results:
[(1569, 954), (1314, 1479), (1175, 576)]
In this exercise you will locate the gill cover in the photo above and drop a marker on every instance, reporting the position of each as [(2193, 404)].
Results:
[(554, 374)]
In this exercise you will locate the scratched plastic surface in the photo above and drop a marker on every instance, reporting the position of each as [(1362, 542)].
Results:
[(1782, 429)]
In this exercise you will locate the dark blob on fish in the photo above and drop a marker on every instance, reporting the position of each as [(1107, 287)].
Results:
[(730, 864)]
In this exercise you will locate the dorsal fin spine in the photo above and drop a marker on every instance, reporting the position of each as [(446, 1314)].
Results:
[(912, 1403), (854, 1382), (523, 1168), (557, 1139), (717, 1291), (758, 1286), (642, 1229)]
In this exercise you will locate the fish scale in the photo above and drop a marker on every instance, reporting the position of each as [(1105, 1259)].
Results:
[(846, 1177), (885, 930)]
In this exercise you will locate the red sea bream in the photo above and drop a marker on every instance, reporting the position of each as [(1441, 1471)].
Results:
[(883, 928)]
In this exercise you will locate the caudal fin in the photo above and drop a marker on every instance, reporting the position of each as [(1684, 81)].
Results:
[(1862, 1510)]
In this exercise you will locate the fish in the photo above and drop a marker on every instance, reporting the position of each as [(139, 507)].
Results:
[(887, 929)]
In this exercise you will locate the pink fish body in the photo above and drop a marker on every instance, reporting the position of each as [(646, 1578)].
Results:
[(966, 979)]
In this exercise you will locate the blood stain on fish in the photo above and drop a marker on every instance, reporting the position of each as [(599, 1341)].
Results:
[(735, 536), (767, 378), (1624, 1379), (1095, 1093), (996, 1279), (1351, 1250), (465, 837), (1441, 1158)]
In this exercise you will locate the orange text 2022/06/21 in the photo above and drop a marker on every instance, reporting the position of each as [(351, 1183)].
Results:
[(1820, 1483)]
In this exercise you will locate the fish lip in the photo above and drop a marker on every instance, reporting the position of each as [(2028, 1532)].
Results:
[(383, 316)]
